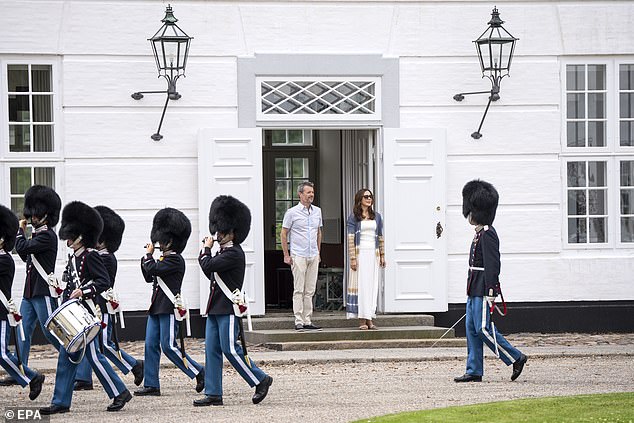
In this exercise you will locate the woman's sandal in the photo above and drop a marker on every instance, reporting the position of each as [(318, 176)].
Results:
[(372, 326), (363, 327)]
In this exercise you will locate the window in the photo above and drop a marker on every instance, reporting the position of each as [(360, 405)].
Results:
[(21, 178), (30, 100), (28, 111), (598, 153), (288, 137)]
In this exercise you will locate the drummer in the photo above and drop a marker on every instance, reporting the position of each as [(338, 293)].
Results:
[(88, 277), (12, 364)]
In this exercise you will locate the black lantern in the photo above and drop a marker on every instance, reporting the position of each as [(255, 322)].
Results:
[(495, 49), (170, 45)]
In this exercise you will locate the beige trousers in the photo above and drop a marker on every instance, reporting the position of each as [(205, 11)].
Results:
[(304, 282)]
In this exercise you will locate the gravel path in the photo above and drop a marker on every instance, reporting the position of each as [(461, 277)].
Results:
[(341, 392)]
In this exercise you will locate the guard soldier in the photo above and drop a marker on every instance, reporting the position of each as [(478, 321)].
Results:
[(41, 206), (88, 278), (170, 229), (17, 371), (479, 204), (229, 221), (109, 242)]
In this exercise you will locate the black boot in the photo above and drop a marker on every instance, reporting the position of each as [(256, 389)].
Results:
[(261, 389), (35, 386), (200, 381), (81, 385), (468, 378), (208, 400), (518, 366), (53, 409), (119, 401), (137, 371), (148, 391), (8, 381)]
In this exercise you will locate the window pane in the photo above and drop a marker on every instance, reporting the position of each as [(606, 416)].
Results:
[(627, 201), (575, 77), (576, 106), (295, 137), (43, 138), (19, 138), (577, 230), (596, 202), (44, 176), (42, 108), (626, 133), (41, 78), (17, 205), (597, 174), (18, 78), (626, 105), (576, 134), (20, 180), (627, 229), (627, 173), (282, 168), (626, 77), (596, 106), (577, 203), (576, 174), (596, 134), (280, 209), (283, 190), (19, 110), (598, 230), (278, 137), (300, 168), (596, 77)]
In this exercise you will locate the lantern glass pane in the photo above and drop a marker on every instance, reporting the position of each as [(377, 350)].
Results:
[(170, 54)]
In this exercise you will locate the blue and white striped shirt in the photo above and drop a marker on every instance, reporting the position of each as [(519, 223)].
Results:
[(303, 225)]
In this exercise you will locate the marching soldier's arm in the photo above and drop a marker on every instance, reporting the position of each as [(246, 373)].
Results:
[(229, 259), (164, 266), (491, 261), (100, 281)]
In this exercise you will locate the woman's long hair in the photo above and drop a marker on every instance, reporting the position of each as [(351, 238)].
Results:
[(357, 209)]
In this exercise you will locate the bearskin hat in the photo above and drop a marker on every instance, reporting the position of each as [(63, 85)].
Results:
[(80, 219), (228, 214), (113, 227), (480, 199), (8, 228), (171, 226), (41, 201)]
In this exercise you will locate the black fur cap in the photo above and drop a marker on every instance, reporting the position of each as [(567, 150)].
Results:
[(171, 226), (480, 199), (8, 228), (113, 227), (228, 214), (80, 219), (41, 201)]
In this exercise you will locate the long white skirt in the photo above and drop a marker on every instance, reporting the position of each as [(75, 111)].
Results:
[(368, 283)]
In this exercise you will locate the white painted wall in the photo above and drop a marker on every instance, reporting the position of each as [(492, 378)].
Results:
[(110, 159)]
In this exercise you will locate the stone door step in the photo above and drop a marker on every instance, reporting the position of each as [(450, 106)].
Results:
[(365, 344)]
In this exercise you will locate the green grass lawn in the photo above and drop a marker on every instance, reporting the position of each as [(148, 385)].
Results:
[(582, 408)]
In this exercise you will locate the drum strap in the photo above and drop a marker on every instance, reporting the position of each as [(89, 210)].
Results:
[(90, 304)]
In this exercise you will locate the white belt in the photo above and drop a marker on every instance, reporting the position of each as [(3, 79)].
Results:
[(177, 302), (476, 268)]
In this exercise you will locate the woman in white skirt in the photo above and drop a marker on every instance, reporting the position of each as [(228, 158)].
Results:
[(367, 254)]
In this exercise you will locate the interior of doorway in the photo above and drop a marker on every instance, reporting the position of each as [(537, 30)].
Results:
[(339, 162)]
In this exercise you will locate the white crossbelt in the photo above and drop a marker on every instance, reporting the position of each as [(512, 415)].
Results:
[(476, 268), (5, 303), (50, 279), (168, 293), (229, 295)]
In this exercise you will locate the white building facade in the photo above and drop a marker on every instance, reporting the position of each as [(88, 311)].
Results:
[(348, 94)]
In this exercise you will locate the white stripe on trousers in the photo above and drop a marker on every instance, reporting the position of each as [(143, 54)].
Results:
[(172, 342), (99, 367), (234, 353), (3, 333), (487, 334), (106, 344)]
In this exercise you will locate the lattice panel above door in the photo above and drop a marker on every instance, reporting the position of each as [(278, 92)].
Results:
[(318, 99)]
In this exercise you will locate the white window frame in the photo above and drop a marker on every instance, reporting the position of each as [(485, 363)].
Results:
[(57, 108), (10, 159), (612, 153), (344, 117)]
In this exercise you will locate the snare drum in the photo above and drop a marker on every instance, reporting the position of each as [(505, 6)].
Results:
[(73, 326)]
